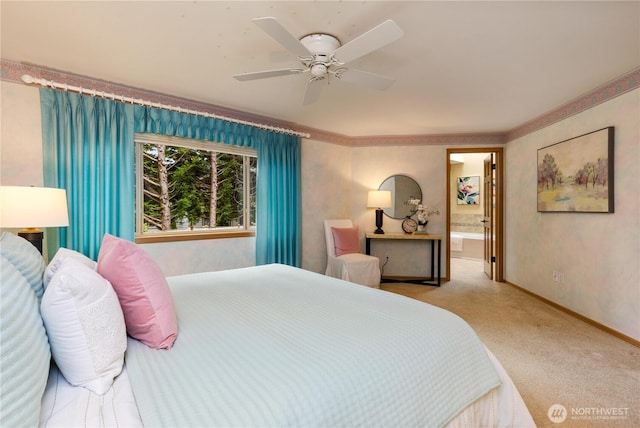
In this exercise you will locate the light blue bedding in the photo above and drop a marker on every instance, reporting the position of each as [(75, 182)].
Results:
[(24, 348), (279, 346)]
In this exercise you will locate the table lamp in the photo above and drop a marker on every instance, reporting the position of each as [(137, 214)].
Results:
[(379, 199), (32, 208)]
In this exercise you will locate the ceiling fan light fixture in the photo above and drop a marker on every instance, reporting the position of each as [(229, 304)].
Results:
[(318, 70)]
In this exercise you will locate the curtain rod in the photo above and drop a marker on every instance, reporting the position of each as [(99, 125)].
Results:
[(30, 80)]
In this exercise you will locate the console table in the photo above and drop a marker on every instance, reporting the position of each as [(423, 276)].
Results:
[(433, 239)]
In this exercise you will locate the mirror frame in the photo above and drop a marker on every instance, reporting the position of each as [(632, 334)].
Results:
[(403, 211)]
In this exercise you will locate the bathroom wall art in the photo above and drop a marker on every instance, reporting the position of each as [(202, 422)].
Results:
[(469, 190)]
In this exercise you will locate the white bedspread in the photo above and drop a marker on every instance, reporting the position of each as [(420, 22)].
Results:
[(278, 346), (65, 406)]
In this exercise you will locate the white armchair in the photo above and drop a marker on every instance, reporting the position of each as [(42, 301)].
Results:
[(353, 266)]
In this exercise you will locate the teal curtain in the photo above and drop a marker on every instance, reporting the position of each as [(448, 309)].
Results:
[(166, 122), (278, 236), (88, 150), (278, 198)]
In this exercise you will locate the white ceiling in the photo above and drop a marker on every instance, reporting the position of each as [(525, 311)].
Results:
[(461, 67)]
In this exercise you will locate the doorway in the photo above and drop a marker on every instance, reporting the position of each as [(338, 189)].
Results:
[(487, 217)]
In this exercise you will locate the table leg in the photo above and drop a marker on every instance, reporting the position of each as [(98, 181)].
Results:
[(433, 260), (439, 261)]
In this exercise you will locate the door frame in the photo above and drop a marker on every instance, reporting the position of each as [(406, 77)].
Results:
[(498, 272)]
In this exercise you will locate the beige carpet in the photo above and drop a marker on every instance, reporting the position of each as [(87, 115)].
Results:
[(552, 357)]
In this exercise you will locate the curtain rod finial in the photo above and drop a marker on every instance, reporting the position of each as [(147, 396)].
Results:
[(28, 79)]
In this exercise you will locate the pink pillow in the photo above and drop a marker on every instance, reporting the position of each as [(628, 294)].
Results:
[(142, 289), (345, 240)]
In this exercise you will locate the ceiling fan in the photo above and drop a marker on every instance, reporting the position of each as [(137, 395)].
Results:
[(323, 56)]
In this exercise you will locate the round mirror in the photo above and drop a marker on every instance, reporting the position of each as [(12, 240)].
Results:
[(402, 189)]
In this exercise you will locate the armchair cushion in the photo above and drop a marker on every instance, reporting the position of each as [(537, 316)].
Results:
[(345, 240)]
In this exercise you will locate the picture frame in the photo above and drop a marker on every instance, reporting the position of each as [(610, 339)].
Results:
[(576, 175), (468, 190)]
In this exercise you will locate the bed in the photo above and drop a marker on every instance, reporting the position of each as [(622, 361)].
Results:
[(261, 346)]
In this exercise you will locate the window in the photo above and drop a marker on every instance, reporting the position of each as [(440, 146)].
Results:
[(190, 189)]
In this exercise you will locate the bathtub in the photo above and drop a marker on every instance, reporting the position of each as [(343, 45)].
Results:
[(467, 244)]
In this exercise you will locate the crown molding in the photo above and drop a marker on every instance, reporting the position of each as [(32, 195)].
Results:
[(12, 71), (612, 89), (421, 140)]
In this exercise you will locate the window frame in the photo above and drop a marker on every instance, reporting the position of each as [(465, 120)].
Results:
[(170, 236)]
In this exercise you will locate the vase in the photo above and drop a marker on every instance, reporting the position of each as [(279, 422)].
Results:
[(422, 226)]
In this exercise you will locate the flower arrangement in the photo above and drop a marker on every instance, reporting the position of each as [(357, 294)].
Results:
[(422, 212), (414, 205)]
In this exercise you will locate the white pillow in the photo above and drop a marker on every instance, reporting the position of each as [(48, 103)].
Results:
[(61, 255), (85, 325)]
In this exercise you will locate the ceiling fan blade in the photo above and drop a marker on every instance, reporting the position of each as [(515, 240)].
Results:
[(373, 39), (364, 78), (280, 34), (312, 94), (266, 74)]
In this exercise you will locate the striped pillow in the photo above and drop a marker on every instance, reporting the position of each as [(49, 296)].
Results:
[(24, 349), (26, 258)]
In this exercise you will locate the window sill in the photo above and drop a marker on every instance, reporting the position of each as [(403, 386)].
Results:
[(192, 236)]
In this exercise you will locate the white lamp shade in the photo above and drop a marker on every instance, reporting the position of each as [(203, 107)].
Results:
[(379, 199), (33, 207)]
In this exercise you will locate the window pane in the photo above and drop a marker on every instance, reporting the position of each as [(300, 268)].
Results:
[(195, 189)]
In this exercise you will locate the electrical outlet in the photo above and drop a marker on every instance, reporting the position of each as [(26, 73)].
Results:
[(554, 275), (387, 255), (560, 276)]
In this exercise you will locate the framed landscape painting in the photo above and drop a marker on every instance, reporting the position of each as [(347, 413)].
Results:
[(576, 175)]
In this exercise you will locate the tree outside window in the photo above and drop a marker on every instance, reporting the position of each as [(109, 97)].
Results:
[(195, 186)]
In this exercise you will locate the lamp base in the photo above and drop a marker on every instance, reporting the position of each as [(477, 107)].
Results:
[(34, 236), (379, 230)]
